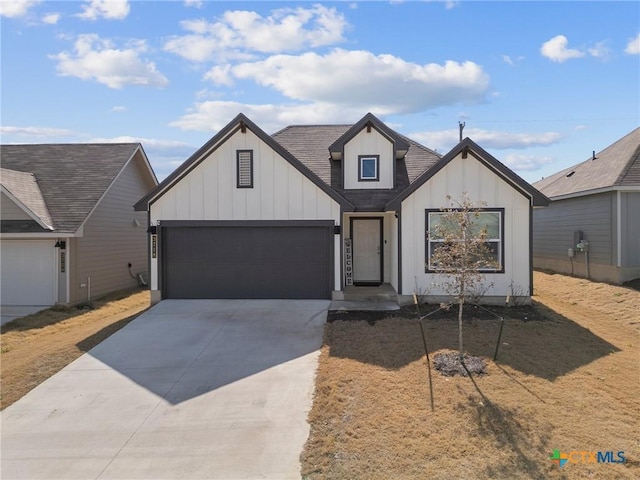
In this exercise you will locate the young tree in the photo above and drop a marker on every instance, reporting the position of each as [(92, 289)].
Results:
[(460, 251)]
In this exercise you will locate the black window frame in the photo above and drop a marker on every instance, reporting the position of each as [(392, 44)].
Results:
[(369, 157), (238, 179), (500, 249)]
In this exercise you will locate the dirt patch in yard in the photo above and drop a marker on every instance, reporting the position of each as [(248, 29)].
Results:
[(35, 347), (568, 380)]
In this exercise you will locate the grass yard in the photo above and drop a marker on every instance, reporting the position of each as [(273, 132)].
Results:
[(567, 378), (35, 347)]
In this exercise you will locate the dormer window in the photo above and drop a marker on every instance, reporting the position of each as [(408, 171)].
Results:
[(368, 168)]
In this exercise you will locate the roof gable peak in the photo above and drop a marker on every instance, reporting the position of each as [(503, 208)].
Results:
[(369, 121)]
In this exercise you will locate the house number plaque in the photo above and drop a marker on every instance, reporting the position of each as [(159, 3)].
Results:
[(154, 242)]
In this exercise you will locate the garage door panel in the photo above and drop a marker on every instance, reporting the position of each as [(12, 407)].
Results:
[(28, 272), (247, 262)]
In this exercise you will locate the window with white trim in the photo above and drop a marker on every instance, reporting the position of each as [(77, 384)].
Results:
[(368, 168), (491, 220), (244, 168)]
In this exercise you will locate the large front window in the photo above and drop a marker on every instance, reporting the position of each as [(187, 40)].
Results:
[(487, 222)]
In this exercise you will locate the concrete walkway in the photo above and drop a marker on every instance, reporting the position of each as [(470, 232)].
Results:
[(197, 389)]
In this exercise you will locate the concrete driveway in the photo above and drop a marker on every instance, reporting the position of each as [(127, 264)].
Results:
[(196, 389)]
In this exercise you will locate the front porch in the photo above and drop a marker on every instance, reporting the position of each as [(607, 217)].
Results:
[(355, 298)]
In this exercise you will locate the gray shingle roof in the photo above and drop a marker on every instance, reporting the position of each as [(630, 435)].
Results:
[(310, 144), (71, 177), (24, 187), (617, 164)]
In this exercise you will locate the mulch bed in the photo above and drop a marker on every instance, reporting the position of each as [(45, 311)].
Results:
[(471, 313), (448, 364)]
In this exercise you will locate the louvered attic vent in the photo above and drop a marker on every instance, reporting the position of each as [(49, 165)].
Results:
[(244, 164)]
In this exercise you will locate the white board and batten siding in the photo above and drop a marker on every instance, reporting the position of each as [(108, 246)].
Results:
[(368, 143), (481, 184), (280, 192)]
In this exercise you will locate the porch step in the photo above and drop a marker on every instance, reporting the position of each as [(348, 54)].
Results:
[(382, 293), (367, 306)]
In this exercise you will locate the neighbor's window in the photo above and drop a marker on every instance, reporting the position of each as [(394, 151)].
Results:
[(368, 168), (244, 167), (491, 220)]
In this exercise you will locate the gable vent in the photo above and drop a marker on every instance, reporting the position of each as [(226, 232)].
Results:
[(244, 162)]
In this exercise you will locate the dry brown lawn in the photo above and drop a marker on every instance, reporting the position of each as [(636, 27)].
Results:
[(567, 380), (35, 347)]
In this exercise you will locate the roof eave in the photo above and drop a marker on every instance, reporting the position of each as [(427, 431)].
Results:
[(537, 199), (335, 149)]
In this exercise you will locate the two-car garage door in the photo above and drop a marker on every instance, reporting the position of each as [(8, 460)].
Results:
[(247, 259)]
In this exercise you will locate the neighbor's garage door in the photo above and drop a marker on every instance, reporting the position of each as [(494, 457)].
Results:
[(285, 261), (28, 272)]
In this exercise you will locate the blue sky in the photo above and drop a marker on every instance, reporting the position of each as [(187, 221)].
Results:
[(538, 84)]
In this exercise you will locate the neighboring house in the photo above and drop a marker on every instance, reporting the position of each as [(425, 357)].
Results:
[(313, 210), (68, 229), (596, 202)]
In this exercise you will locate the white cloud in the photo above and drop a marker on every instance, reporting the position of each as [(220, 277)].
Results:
[(97, 59), (211, 116), (109, 9), (511, 61), (527, 163), (556, 50), (51, 18), (360, 79), (36, 131), (220, 75), (119, 108), (16, 8), (633, 47), (446, 139), (193, 3), (239, 31), (599, 50)]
